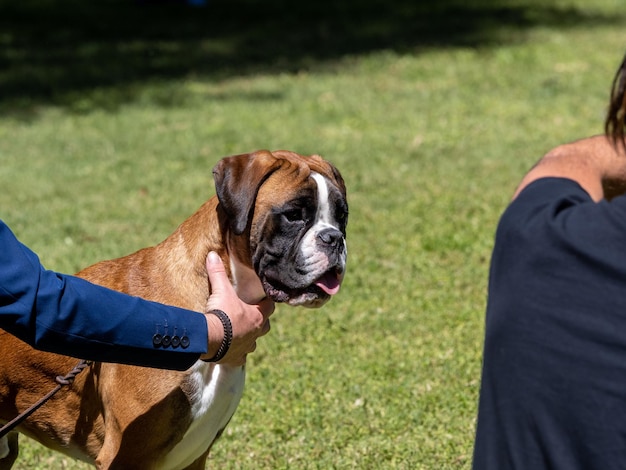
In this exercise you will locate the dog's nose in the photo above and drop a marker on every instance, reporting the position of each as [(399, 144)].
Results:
[(330, 236)]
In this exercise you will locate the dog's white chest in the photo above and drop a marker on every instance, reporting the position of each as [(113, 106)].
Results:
[(218, 391)]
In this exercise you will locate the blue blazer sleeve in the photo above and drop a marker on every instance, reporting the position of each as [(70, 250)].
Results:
[(68, 315)]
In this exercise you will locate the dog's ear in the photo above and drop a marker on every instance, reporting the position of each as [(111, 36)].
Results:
[(237, 182)]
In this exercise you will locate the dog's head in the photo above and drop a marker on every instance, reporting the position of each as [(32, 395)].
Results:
[(288, 216)]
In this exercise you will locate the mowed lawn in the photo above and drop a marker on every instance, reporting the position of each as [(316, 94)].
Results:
[(113, 114)]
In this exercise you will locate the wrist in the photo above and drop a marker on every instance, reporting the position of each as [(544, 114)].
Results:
[(215, 336), (220, 335)]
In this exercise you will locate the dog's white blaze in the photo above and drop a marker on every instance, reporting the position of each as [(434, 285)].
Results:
[(323, 220), (323, 216), (219, 389)]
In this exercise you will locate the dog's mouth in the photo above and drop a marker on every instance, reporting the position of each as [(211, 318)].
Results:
[(313, 295)]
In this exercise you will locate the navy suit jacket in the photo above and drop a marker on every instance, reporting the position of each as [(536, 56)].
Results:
[(68, 315)]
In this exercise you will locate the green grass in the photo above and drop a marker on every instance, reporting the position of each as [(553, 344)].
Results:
[(432, 114)]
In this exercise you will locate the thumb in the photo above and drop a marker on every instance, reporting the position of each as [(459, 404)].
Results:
[(217, 273)]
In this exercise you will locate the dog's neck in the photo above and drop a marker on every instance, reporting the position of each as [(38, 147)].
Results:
[(246, 282), (205, 231)]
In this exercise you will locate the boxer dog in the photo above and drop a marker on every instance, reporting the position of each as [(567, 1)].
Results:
[(278, 221)]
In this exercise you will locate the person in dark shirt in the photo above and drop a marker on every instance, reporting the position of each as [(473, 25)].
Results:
[(68, 315), (553, 389)]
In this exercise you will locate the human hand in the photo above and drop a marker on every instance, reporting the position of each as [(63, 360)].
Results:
[(248, 321)]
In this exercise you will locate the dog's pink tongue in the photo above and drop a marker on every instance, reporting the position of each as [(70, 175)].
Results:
[(329, 283)]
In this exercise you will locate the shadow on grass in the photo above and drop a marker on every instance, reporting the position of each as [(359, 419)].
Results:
[(56, 51)]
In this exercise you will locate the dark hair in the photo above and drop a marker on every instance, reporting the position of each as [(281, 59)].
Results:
[(615, 117)]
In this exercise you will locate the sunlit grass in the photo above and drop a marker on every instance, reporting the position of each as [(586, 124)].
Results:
[(431, 144)]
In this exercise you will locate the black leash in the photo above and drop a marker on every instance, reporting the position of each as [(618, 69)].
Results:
[(61, 381)]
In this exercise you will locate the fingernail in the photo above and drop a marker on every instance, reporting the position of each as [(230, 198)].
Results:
[(214, 258)]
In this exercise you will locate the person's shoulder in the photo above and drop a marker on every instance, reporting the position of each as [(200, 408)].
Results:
[(550, 193), (541, 204), (550, 188)]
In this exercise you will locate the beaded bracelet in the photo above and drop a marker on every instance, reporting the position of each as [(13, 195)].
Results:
[(228, 335)]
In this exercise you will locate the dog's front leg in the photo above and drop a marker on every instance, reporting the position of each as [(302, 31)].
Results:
[(9, 448)]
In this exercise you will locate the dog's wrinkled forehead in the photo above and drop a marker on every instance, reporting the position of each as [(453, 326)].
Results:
[(299, 169)]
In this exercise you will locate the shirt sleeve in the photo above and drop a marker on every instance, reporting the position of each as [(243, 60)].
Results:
[(68, 315)]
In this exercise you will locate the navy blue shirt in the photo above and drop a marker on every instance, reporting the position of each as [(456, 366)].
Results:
[(68, 315), (553, 391)]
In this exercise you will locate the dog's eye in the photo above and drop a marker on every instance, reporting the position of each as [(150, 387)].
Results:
[(293, 215), (342, 215)]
